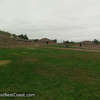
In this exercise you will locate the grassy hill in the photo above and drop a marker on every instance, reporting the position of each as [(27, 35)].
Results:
[(4, 33), (6, 41), (4, 38)]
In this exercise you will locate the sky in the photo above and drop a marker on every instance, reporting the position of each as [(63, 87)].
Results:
[(75, 20)]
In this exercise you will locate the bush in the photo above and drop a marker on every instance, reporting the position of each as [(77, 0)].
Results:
[(95, 41), (24, 37)]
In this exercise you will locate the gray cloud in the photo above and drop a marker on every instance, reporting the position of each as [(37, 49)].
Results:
[(62, 19)]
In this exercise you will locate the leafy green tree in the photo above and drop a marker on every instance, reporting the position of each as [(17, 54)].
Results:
[(36, 40), (66, 41), (24, 37), (55, 41), (95, 41)]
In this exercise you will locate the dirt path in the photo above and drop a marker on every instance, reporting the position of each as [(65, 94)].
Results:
[(77, 49)]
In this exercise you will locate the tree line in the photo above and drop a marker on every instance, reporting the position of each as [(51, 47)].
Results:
[(95, 41), (21, 36)]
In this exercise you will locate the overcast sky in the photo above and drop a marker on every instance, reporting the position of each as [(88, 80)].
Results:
[(61, 19)]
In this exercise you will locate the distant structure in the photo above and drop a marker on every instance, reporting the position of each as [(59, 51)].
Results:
[(87, 42), (80, 44), (47, 41)]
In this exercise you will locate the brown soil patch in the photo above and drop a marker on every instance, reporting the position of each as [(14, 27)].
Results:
[(82, 76), (4, 62)]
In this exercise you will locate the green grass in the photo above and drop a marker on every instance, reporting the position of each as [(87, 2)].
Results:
[(51, 74)]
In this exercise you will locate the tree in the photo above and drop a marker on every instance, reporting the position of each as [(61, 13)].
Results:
[(21, 36), (72, 42), (24, 37), (55, 41), (36, 40), (14, 35), (95, 41), (66, 41)]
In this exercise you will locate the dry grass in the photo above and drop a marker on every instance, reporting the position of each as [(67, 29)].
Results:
[(82, 76), (4, 62), (29, 60)]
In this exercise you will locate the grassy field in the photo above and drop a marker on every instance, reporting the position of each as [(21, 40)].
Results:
[(50, 74)]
